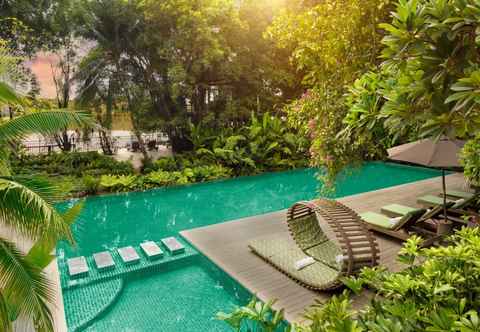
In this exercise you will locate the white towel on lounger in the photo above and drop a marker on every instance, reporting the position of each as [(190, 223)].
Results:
[(304, 262)]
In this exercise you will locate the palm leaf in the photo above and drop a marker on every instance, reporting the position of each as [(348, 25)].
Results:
[(28, 212), (25, 288), (40, 185), (5, 324), (44, 122), (41, 252), (8, 95)]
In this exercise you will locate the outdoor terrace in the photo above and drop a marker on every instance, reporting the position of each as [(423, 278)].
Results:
[(226, 245)]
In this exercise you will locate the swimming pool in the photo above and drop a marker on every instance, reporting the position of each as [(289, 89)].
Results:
[(163, 298)]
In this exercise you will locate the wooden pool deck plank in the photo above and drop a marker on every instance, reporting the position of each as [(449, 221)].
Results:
[(226, 245)]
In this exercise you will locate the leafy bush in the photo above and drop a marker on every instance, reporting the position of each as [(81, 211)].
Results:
[(437, 291), (118, 183), (266, 144), (470, 160), (91, 184), (255, 316), (72, 163)]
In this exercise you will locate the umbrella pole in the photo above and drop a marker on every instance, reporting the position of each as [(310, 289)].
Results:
[(444, 187)]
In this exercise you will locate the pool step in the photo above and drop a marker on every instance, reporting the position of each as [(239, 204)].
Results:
[(119, 268)]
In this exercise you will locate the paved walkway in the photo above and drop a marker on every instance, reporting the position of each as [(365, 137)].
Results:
[(226, 245)]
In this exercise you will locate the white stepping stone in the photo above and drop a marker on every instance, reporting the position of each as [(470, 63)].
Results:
[(77, 266), (103, 260), (173, 245), (128, 255), (151, 249)]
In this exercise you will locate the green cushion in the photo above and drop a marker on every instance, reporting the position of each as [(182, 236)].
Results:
[(378, 219), (459, 194), (327, 253), (316, 275), (431, 200), (398, 209)]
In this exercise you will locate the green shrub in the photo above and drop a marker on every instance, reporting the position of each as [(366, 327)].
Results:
[(437, 291), (72, 164), (211, 172), (165, 164), (91, 184), (255, 316), (470, 160), (118, 183)]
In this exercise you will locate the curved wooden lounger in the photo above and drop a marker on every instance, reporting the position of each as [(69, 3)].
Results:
[(328, 231)]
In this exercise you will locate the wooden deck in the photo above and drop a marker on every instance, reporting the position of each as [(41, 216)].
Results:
[(226, 245)]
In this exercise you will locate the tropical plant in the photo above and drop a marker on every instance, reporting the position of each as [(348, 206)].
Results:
[(118, 183), (256, 316), (437, 291), (470, 160), (26, 205)]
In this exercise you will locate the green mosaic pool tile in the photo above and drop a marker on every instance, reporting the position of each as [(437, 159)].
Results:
[(84, 304)]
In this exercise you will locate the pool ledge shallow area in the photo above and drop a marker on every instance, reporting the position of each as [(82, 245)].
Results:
[(226, 245)]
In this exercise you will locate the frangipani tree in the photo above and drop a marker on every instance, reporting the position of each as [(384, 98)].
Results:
[(26, 207)]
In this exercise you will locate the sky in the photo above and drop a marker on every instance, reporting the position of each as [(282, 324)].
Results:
[(41, 67)]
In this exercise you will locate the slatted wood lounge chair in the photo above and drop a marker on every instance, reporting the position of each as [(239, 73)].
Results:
[(402, 227), (398, 210), (455, 194), (431, 200), (329, 232)]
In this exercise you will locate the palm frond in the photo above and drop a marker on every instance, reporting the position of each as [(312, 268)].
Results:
[(8, 95), (40, 185), (5, 324), (25, 288), (41, 252), (29, 213), (43, 122)]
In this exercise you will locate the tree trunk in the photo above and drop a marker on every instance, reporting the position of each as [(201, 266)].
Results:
[(106, 142), (63, 141)]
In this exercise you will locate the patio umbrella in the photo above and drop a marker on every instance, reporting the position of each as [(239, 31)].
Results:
[(441, 154)]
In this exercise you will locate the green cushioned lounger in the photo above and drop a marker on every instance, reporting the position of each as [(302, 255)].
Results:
[(383, 221), (431, 200), (459, 194), (397, 210)]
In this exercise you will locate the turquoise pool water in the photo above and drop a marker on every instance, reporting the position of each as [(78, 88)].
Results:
[(186, 296)]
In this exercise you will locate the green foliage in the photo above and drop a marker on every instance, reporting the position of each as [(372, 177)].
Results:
[(332, 43), (265, 144), (118, 183), (470, 160), (256, 316), (26, 206), (91, 184), (73, 163), (437, 291)]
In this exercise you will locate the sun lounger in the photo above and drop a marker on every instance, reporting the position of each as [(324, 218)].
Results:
[(173, 245), (398, 210), (151, 249), (128, 255), (308, 223), (103, 260), (456, 194), (431, 200), (77, 266), (417, 221)]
